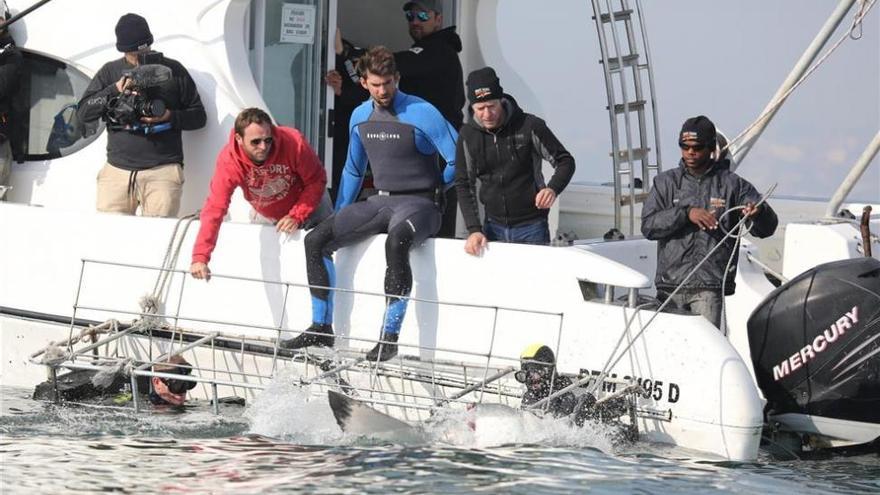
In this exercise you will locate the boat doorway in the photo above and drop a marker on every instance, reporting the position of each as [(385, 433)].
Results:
[(291, 48), (367, 24), (290, 51)]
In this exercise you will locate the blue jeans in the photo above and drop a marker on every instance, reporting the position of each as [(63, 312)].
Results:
[(537, 232)]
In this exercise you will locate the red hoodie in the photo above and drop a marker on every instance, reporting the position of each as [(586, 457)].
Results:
[(290, 182)]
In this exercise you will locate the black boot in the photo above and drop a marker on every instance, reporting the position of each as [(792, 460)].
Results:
[(383, 351), (319, 334)]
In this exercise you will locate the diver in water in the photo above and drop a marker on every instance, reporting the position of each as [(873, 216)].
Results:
[(170, 391), (112, 388), (538, 373)]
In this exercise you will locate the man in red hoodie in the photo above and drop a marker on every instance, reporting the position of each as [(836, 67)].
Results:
[(280, 174)]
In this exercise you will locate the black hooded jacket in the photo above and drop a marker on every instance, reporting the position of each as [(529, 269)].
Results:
[(680, 243), (431, 70), (507, 162), (10, 75)]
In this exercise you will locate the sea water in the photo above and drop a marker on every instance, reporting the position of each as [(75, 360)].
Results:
[(286, 441)]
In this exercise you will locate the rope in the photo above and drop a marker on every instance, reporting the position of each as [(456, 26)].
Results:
[(611, 362), (150, 303), (54, 354), (864, 7), (857, 20), (739, 231)]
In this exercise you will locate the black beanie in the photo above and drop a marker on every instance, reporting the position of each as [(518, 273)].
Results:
[(132, 33), (483, 85), (699, 129)]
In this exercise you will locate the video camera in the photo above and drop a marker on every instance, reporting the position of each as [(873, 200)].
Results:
[(140, 98)]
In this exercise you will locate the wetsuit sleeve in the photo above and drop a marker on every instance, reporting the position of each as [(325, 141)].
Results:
[(466, 187), (660, 218), (552, 150), (765, 222), (355, 166), (191, 114), (450, 137), (442, 136), (94, 100), (314, 178), (215, 208)]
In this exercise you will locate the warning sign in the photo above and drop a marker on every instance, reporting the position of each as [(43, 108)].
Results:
[(297, 23)]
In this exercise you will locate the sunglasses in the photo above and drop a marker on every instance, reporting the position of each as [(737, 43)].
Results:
[(422, 16), (528, 370), (268, 140), (177, 386), (695, 147)]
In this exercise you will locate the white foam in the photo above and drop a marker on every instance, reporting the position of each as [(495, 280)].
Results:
[(495, 426), (287, 410)]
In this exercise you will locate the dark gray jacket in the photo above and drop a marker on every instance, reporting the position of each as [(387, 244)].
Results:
[(680, 243), (139, 151)]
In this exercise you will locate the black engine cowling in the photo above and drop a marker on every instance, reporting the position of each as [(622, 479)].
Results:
[(815, 342)]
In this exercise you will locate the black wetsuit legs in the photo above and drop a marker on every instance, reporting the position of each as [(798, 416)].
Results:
[(408, 220)]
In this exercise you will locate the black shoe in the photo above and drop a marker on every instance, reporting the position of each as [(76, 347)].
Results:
[(318, 334), (383, 351)]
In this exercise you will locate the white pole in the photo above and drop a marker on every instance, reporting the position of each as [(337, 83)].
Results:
[(812, 51), (853, 177)]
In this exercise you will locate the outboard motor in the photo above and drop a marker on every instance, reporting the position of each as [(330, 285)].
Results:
[(815, 345)]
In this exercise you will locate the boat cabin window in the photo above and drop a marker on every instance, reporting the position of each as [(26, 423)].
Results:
[(43, 123)]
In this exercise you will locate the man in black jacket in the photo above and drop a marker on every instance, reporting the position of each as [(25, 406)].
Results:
[(504, 148), (684, 213), (144, 155), (348, 94), (431, 69), (10, 73)]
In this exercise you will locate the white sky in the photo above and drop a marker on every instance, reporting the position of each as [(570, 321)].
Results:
[(723, 59)]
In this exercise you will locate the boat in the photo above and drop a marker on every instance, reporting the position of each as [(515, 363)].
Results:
[(68, 269)]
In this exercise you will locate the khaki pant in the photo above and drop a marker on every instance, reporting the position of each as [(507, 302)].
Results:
[(156, 190)]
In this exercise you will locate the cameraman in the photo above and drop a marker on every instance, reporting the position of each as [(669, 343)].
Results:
[(144, 159), (10, 73)]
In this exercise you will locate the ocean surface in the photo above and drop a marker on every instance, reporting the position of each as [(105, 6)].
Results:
[(283, 442)]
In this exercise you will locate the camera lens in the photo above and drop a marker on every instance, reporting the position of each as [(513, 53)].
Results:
[(154, 108)]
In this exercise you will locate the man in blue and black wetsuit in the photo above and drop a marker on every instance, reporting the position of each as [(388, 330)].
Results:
[(400, 136)]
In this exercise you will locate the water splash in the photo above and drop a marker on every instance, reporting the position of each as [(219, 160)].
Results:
[(492, 425), (288, 411)]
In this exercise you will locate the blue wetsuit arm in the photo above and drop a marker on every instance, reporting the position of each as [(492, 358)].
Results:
[(353, 173), (442, 137), (447, 151)]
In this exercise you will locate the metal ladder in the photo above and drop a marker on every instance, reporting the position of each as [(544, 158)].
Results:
[(628, 105)]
